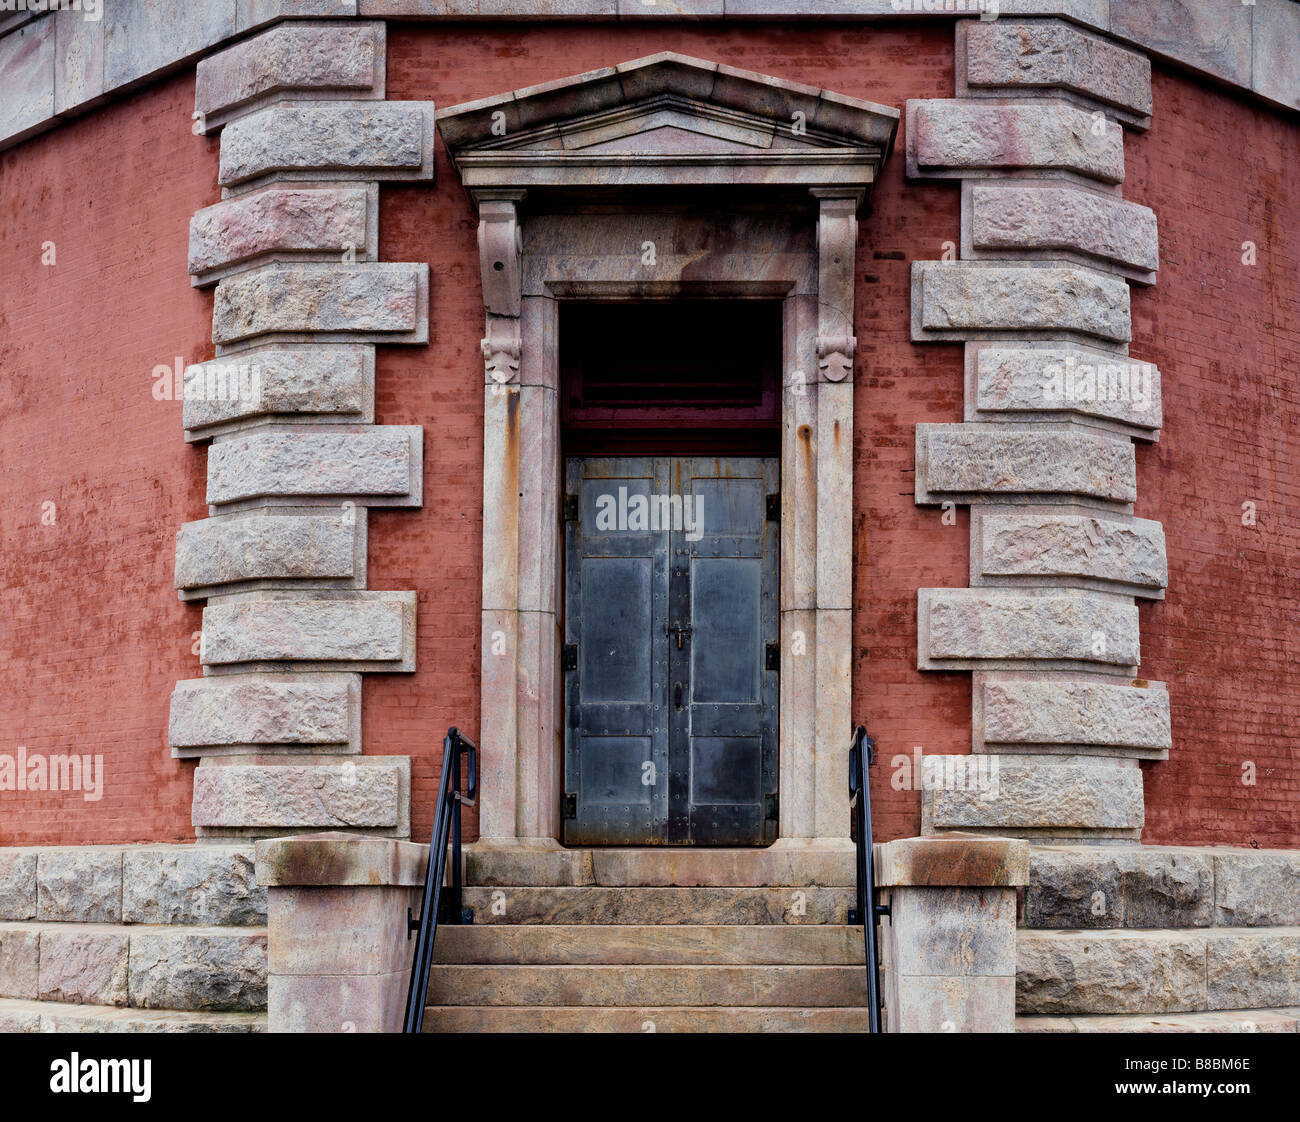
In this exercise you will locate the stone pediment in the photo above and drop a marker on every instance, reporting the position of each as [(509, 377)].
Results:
[(668, 120)]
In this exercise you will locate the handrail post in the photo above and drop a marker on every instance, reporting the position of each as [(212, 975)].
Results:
[(861, 756)]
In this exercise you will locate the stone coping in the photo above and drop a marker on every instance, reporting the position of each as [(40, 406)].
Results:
[(334, 858), (1247, 46), (954, 860)]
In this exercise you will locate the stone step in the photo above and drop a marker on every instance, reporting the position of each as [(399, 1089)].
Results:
[(1235, 1020), (1161, 887), (1159, 971), (637, 986), (550, 1018), (646, 945), (202, 884), (144, 966), (515, 904), (53, 1016), (779, 865)]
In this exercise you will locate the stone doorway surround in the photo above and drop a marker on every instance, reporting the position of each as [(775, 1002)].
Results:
[(658, 178)]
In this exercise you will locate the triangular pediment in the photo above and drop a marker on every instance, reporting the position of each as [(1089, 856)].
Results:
[(667, 120)]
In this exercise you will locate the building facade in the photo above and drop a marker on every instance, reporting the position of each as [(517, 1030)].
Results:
[(653, 391)]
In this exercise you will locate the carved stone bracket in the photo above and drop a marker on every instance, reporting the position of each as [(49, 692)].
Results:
[(500, 249), (837, 237)]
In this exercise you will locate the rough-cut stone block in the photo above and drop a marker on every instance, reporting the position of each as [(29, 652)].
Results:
[(27, 78), (19, 960), (310, 223), (381, 464), (1026, 382), (1012, 220), (232, 549), (1211, 35), (17, 884), (81, 884), (1131, 886), (192, 885), (241, 713), (386, 140), (1056, 712), (971, 138), (320, 61), (84, 965), (1256, 887), (343, 631), (965, 299), (376, 301), (962, 628), (78, 62), (1110, 972), (1026, 795), (331, 383), (315, 796), (1042, 546), (981, 463), (199, 968), (1254, 969), (147, 37), (1274, 73), (1008, 55)]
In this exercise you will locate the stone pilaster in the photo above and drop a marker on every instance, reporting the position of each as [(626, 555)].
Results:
[(295, 460), (1045, 457)]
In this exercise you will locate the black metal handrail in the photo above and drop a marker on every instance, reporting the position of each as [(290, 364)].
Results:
[(433, 908), (862, 754)]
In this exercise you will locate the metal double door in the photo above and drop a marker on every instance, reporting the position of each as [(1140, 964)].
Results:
[(671, 657)]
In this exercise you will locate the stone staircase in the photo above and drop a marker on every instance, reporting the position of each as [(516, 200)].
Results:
[(651, 941), (1159, 939), (132, 939)]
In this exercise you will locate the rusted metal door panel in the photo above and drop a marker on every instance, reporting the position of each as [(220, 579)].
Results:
[(670, 618)]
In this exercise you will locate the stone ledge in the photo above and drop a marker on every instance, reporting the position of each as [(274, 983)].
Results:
[(290, 62), (376, 466), (390, 141), (960, 300), (243, 714), (1024, 629), (331, 631), (1011, 57), (978, 138), (951, 861), (284, 224), (978, 463), (1044, 221), (339, 859), (322, 383), (375, 302), (267, 796), (1010, 381), (1070, 714), (295, 547), (1050, 546)]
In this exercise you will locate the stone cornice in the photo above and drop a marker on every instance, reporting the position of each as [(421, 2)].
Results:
[(57, 65)]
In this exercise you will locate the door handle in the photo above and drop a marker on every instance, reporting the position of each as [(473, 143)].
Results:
[(677, 696)]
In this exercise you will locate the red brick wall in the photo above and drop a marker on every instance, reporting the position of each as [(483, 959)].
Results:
[(92, 637), (1220, 171)]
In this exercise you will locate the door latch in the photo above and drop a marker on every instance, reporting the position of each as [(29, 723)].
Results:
[(773, 656), (680, 630)]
